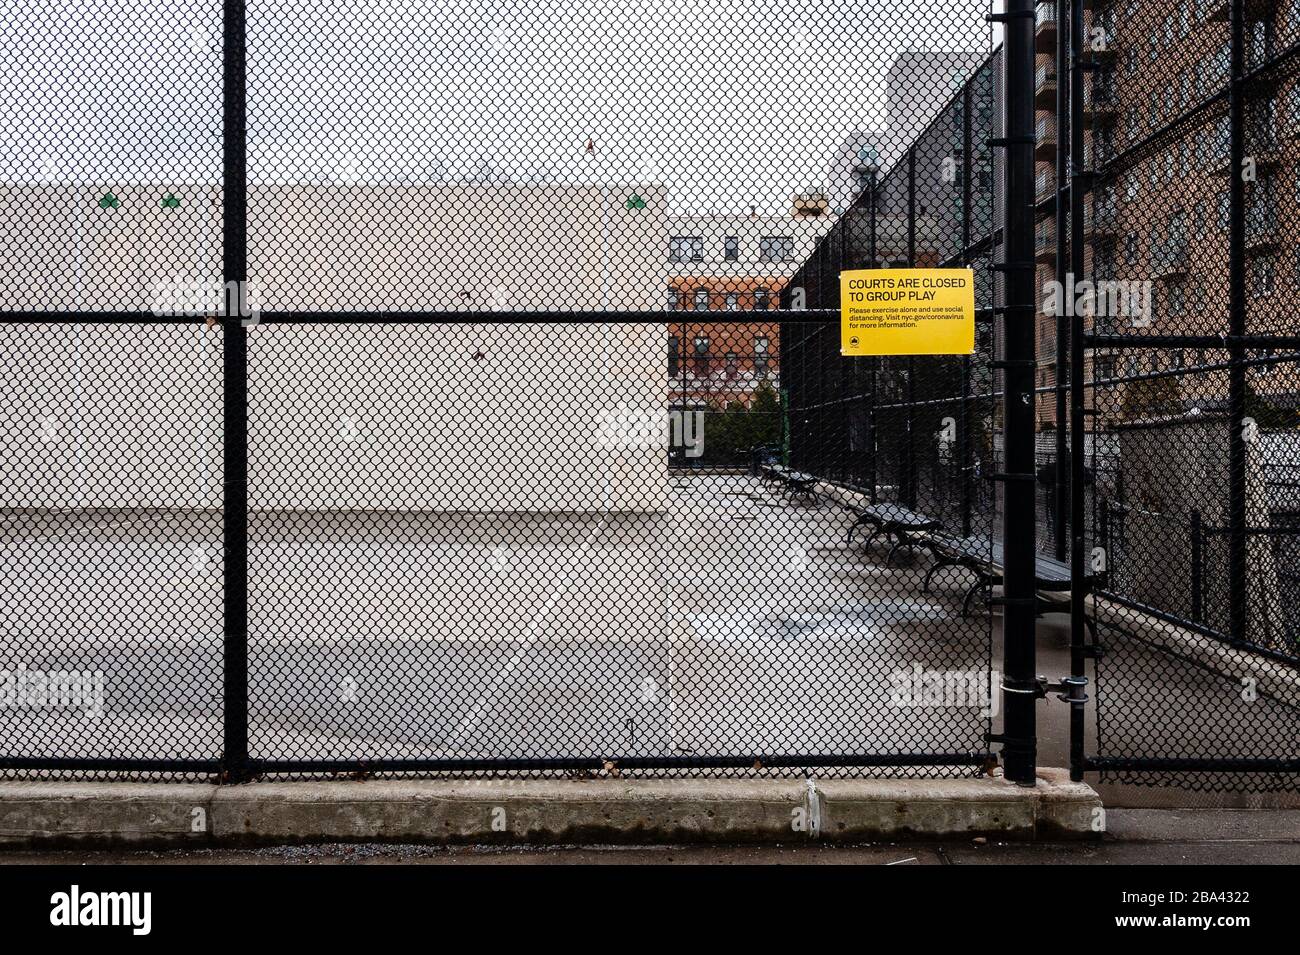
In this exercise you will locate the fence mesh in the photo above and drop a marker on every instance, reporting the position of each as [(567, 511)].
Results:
[(1189, 239), (470, 543), (112, 542), (550, 461)]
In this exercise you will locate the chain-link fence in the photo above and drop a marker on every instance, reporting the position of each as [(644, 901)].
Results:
[(393, 391), (1167, 401), (1189, 385), (534, 450)]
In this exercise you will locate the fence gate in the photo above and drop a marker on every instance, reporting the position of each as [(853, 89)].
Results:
[(1183, 402)]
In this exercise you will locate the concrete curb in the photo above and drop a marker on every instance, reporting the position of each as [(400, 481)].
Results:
[(40, 814)]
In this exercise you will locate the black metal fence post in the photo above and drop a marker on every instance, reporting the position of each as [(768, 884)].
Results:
[(1020, 687), (1196, 528), (1078, 193), (1237, 305), (965, 445), (1064, 267), (235, 404), (909, 452), (873, 477)]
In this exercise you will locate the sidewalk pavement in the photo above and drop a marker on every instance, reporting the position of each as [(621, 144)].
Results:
[(1135, 837)]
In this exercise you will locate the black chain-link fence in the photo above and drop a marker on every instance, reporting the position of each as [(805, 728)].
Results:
[(1191, 358), (1164, 315), (535, 450), (396, 390)]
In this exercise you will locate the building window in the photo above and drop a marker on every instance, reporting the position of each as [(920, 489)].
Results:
[(760, 355), (776, 248), (674, 355), (700, 350), (1261, 276), (686, 248), (1261, 211), (1103, 261), (674, 301), (731, 301), (1262, 119), (1177, 298), (731, 248), (1105, 368), (733, 365), (1259, 44), (1130, 249), (701, 300), (762, 299)]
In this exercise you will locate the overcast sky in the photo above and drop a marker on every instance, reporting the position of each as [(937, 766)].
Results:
[(731, 103)]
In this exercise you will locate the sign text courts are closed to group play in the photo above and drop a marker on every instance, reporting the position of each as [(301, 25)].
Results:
[(907, 312)]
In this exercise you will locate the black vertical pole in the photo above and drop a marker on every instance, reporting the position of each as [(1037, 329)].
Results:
[(1197, 532), (873, 477), (1237, 559), (965, 445), (235, 405), (841, 466), (1020, 688), (909, 474), (1064, 194), (1078, 441)]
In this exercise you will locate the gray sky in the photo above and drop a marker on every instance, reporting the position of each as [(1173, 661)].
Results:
[(731, 103)]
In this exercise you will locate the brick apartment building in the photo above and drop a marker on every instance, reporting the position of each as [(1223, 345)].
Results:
[(1162, 216), (725, 264), (715, 364)]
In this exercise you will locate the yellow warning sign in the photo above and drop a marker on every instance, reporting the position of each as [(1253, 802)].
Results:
[(907, 312)]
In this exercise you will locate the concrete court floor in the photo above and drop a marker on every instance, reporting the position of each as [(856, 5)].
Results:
[(733, 623)]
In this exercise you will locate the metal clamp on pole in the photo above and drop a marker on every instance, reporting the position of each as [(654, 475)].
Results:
[(1071, 689), (1035, 688)]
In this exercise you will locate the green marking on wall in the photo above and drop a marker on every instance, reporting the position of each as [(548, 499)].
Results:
[(109, 201)]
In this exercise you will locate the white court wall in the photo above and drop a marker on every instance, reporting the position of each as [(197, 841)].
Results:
[(361, 416), (341, 416)]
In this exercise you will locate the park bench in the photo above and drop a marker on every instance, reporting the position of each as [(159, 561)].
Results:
[(771, 475), (905, 527), (800, 484), (984, 556), (793, 483)]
